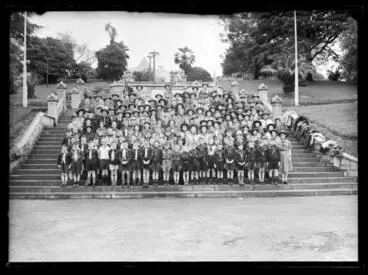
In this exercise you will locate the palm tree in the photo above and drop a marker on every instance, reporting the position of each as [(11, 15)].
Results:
[(185, 58), (284, 69), (112, 32)]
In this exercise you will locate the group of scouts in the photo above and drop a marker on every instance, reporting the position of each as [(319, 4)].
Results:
[(188, 138)]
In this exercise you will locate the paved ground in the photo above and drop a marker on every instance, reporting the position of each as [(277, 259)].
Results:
[(254, 229)]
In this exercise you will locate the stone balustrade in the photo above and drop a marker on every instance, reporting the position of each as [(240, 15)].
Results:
[(55, 105), (24, 145)]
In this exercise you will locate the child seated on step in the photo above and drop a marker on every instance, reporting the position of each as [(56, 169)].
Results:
[(63, 163)]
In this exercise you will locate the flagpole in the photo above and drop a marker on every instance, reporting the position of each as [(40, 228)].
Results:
[(296, 64), (25, 63)]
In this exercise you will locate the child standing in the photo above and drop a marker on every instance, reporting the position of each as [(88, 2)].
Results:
[(63, 163), (285, 156), (185, 159), (136, 164), (211, 148), (251, 160), (156, 162), (125, 161), (166, 162), (219, 163), (240, 163), (273, 159), (114, 163), (230, 163), (103, 155), (147, 155), (261, 160), (91, 156), (176, 163), (76, 164)]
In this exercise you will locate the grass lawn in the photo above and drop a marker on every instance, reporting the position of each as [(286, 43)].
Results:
[(336, 121), (317, 92)]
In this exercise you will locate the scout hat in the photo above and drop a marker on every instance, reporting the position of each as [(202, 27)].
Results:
[(274, 131), (80, 110), (187, 111), (179, 104), (163, 100), (268, 126), (199, 108), (256, 121), (105, 110), (283, 132), (208, 111), (182, 125)]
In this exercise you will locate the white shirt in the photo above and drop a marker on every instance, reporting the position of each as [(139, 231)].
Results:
[(104, 152)]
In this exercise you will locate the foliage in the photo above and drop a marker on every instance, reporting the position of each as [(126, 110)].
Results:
[(284, 69), (112, 61), (141, 76), (349, 60), (184, 58), (335, 75), (50, 55), (257, 39), (16, 34), (85, 71), (199, 74)]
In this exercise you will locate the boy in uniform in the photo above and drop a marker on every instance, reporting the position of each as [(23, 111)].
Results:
[(156, 162), (240, 162), (219, 163), (63, 163), (125, 162), (91, 156), (136, 164), (166, 162), (273, 160), (147, 155)]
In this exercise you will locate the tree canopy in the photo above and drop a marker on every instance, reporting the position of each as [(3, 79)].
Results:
[(185, 58), (199, 74), (259, 39)]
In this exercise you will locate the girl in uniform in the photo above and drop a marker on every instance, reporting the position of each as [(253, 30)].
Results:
[(114, 163), (240, 162), (63, 163), (285, 157), (91, 156), (185, 159)]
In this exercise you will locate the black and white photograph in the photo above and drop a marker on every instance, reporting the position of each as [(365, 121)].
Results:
[(144, 136)]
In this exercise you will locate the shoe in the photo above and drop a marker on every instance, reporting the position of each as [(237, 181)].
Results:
[(285, 182), (93, 185), (86, 184)]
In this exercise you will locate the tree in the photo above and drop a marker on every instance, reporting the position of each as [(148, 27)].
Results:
[(284, 69), (85, 71), (258, 39), (112, 32), (349, 60), (49, 57), (199, 74), (185, 58), (16, 34), (112, 61), (141, 76)]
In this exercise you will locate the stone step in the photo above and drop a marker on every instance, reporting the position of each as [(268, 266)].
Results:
[(181, 188), (316, 174), (43, 156), (25, 181), (38, 151), (189, 194), (36, 162), (316, 169), (37, 171), (49, 142), (308, 164), (301, 154), (51, 138)]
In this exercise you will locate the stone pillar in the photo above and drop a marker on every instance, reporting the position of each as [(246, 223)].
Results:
[(263, 92), (276, 103), (75, 99), (61, 89), (52, 106), (80, 87), (235, 89)]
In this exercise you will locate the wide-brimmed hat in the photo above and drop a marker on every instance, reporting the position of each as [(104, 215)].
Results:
[(80, 110), (187, 111), (283, 132), (182, 125), (163, 100), (274, 131), (271, 124), (208, 111), (115, 95), (199, 108), (257, 121), (155, 94)]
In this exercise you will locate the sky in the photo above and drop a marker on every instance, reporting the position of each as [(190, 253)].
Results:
[(143, 33)]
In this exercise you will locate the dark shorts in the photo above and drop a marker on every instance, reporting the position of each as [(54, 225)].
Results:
[(155, 166), (135, 165), (220, 165), (211, 162), (64, 168), (185, 166), (104, 164), (273, 165), (203, 164), (176, 165), (125, 167), (230, 166), (91, 164), (76, 167)]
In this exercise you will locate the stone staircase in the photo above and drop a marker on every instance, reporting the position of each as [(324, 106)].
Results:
[(39, 178)]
